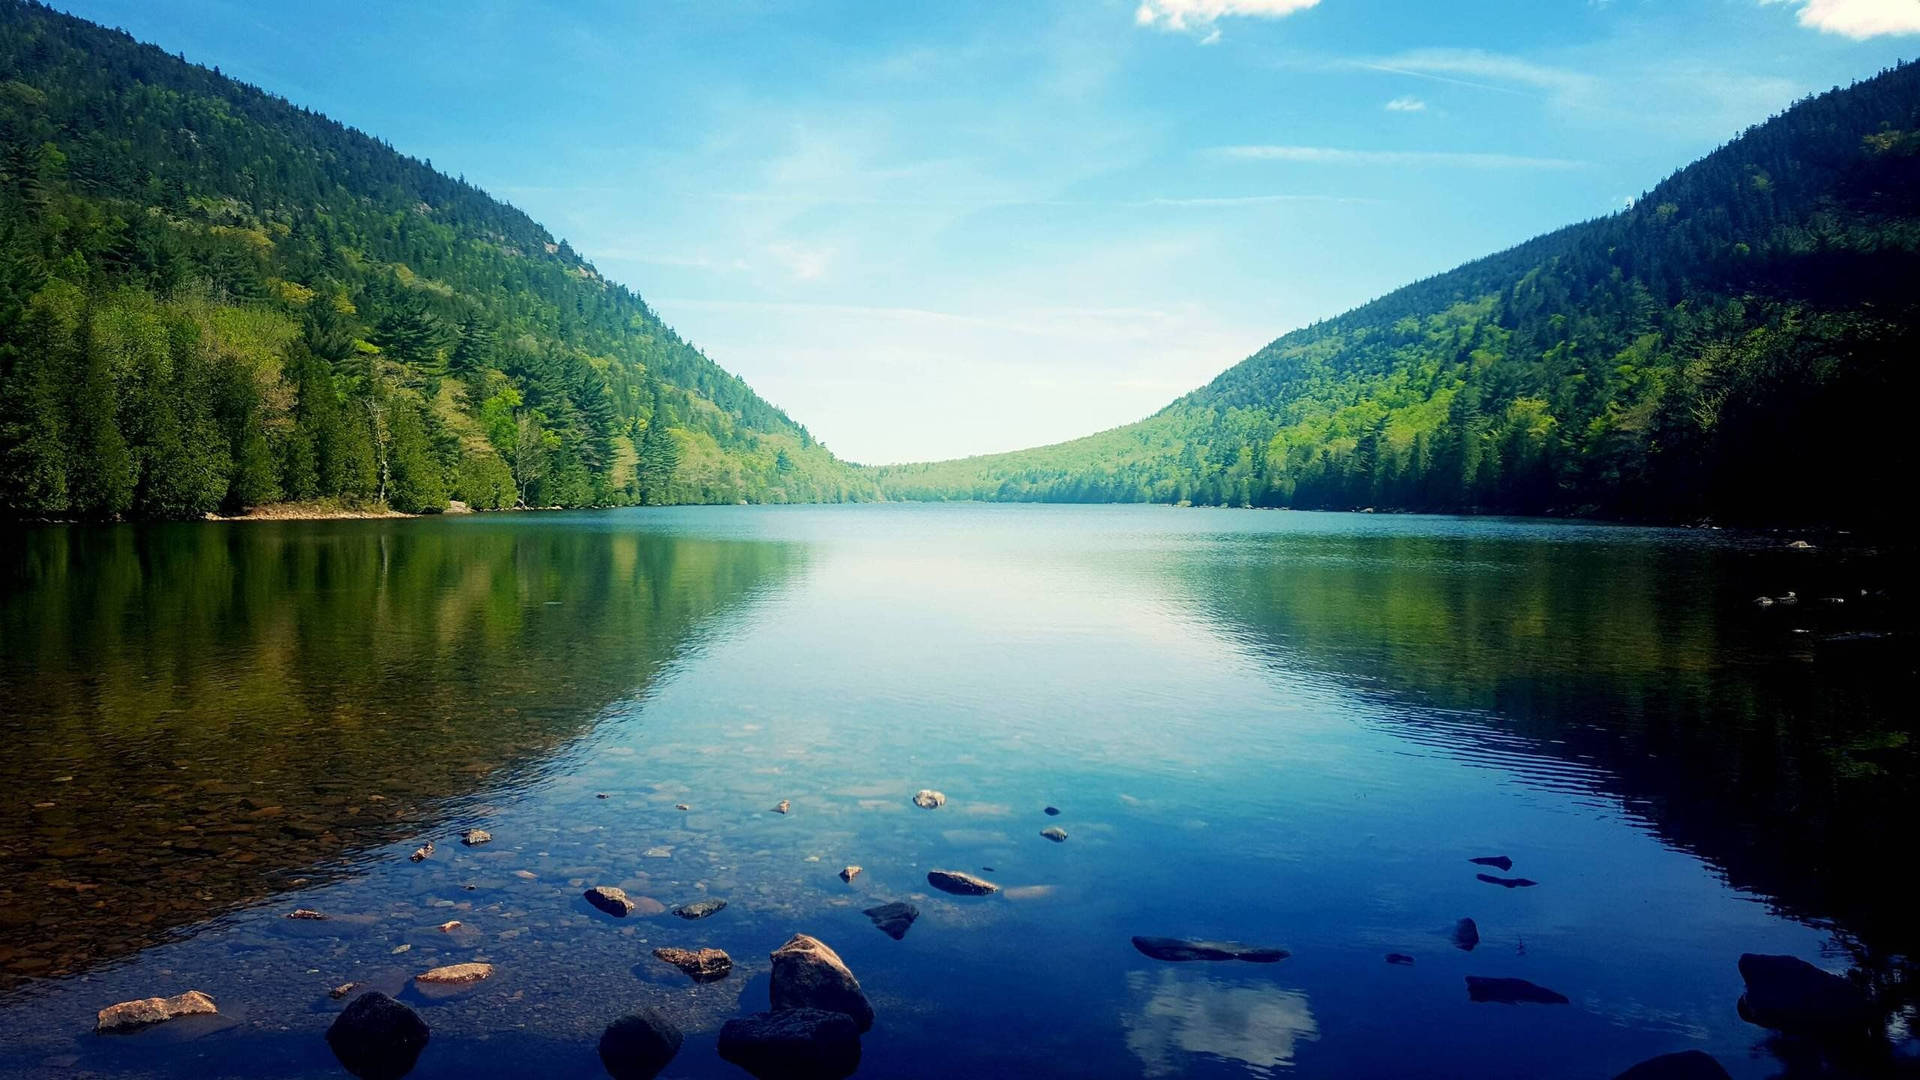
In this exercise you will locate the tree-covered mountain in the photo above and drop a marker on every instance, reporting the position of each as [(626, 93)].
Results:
[(213, 299), (1738, 344)]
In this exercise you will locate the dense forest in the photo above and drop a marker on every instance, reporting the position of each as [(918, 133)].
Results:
[(211, 299), (1738, 345)]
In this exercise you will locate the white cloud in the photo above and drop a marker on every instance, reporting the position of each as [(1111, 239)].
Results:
[(1859, 19), (1486, 71), (1192, 14), (1328, 155), (1406, 104)]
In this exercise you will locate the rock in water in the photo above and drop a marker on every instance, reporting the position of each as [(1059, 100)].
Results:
[(1056, 834), (455, 974), (929, 799), (475, 837), (611, 900), (420, 853), (1399, 958), (638, 1045), (1052, 811), (960, 883), (377, 1038), (895, 919), (1686, 1065), (1507, 882), (1511, 992), (342, 990), (1788, 994), (699, 909), (703, 965), (783, 807), (847, 875), (1466, 935), (306, 913), (129, 1015), (1500, 861), (795, 1044), (809, 975), (1177, 950)]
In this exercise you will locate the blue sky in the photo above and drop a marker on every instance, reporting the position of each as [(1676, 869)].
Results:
[(933, 229)]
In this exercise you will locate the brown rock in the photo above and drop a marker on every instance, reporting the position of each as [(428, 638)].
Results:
[(703, 965), (475, 837), (849, 874), (783, 807), (455, 974), (450, 926), (960, 883), (611, 900), (305, 913), (129, 1015), (809, 975), (420, 853), (342, 990)]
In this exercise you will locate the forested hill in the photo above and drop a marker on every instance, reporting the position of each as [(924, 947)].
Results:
[(1739, 344), (211, 299)]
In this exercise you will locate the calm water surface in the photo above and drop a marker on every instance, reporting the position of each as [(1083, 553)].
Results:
[(1286, 729)]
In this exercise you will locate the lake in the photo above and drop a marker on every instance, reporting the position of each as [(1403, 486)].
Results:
[(1284, 729)]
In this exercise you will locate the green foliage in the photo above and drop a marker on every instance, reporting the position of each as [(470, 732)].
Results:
[(1737, 344), (486, 483), (211, 299)]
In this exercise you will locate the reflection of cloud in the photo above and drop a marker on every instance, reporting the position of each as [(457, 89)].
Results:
[(1176, 1013)]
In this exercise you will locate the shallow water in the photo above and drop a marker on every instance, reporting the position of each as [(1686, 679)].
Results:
[(1277, 728)]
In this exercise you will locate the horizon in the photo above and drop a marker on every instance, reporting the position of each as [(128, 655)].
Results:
[(858, 273)]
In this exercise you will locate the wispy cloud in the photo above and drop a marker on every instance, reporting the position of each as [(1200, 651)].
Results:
[(1858, 19), (1406, 104), (1328, 155), (1486, 71), (1202, 14)]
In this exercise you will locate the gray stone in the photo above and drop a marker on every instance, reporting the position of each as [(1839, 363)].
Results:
[(1056, 834), (611, 900), (130, 1015), (1788, 994), (807, 974), (1178, 950), (793, 1044), (699, 909), (377, 1038), (960, 883), (929, 799), (639, 1045), (895, 919)]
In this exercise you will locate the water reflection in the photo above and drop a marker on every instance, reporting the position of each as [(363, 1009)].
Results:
[(1176, 1013), (199, 716)]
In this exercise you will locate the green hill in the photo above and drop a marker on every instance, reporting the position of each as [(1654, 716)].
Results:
[(213, 299), (1740, 344)]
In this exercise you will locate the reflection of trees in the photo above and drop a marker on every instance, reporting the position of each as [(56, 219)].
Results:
[(237, 705), (1785, 760), (1175, 1013)]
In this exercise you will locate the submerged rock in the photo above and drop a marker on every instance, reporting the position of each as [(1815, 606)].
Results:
[(1511, 992), (1179, 950), (420, 853), (342, 990), (1056, 834), (1788, 994), (793, 1044), (1466, 935), (1685, 1065), (894, 919), (455, 974), (702, 965), (1399, 958), (849, 873), (475, 837), (1500, 861), (807, 974), (1051, 811), (960, 883), (639, 1045), (130, 1015), (929, 799), (699, 909), (306, 913), (377, 1038), (611, 900), (1507, 882)]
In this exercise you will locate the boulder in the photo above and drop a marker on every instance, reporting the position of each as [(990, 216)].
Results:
[(342, 990), (929, 799), (455, 974), (377, 1038), (702, 965), (895, 919), (699, 909), (1788, 994), (306, 913), (809, 975), (131, 1015), (475, 837), (1685, 1065), (1466, 935), (794, 1044), (638, 1045), (611, 900), (849, 873), (1052, 811), (1056, 834), (420, 853), (960, 883), (1511, 992), (1179, 950), (783, 807)]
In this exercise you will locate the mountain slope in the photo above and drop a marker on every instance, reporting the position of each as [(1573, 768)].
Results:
[(1737, 344), (210, 298)]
